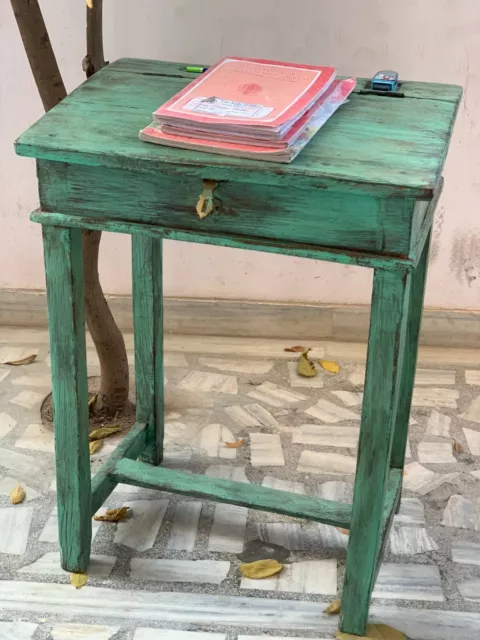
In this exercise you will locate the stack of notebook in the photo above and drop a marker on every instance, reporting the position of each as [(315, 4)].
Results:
[(250, 109)]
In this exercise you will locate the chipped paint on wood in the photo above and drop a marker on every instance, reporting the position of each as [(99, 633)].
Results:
[(370, 146)]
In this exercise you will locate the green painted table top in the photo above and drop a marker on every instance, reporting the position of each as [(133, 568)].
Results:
[(379, 144)]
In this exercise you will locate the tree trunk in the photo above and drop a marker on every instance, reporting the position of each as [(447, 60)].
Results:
[(106, 336), (39, 52), (108, 339), (94, 60)]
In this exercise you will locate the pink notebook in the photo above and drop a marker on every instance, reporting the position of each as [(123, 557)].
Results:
[(285, 150), (241, 92)]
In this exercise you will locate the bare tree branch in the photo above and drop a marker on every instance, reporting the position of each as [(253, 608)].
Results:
[(94, 60), (106, 336), (108, 340), (39, 52)]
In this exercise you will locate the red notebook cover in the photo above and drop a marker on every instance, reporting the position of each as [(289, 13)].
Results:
[(284, 151), (286, 141), (246, 91)]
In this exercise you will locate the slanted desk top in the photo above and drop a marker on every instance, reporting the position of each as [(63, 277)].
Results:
[(363, 191), (392, 144)]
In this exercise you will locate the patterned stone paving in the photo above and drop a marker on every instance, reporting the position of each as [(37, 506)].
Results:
[(171, 570)]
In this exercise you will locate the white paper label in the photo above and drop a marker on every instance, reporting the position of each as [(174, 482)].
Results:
[(227, 108)]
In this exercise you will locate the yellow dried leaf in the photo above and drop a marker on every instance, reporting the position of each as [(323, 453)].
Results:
[(114, 515), (329, 365), (235, 445), (375, 632), (95, 446), (296, 349), (26, 360), (344, 531), (104, 432), (78, 580), (92, 402), (305, 366), (18, 495), (90, 4), (260, 569), (333, 608)]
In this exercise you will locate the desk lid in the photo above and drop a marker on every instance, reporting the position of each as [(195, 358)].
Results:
[(385, 145)]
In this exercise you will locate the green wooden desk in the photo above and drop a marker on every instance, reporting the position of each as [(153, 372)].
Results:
[(363, 192)]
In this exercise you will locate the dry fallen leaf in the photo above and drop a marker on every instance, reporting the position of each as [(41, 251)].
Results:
[(95, 446), (344, 531), (305, 366), (18, 495), (329, 365), (114, 515), (78, 580), (333, 608), (26, 360), (296, 349), (260, 569), (92, 402), (104, 432), (90, 4), (457, 447), (234, 445), (375, 632)]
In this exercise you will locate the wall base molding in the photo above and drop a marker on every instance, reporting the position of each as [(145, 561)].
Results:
[(242, 318)]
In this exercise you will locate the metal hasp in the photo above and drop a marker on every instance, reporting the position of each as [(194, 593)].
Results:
[(206, 202)]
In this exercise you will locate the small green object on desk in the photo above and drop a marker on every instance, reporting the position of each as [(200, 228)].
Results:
[(196, 69), (363, 192)]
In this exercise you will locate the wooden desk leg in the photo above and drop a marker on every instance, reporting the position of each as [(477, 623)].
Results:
[(407, 381), (382, 383), (65, 297), (148, 335)]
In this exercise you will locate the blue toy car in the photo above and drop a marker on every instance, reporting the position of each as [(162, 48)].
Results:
[(385, 81)]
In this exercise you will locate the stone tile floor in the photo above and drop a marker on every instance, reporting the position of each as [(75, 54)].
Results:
[(171, 570)]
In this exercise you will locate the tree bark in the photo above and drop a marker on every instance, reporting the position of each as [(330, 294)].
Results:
[(108, 340), (94, 60), (106, 336), (39, 52)]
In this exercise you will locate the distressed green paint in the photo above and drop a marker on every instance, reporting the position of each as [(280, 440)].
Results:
[(392, 495), (421, 232), (391, 504), (377, 145), (148, 336), (239, 493), (132, 445), (424, 90), (325, 217), (357, 258), (382, 383), (65, 298), (418, 280), (363, 192)]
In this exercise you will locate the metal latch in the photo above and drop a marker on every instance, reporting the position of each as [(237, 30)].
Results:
[(206, 201)]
